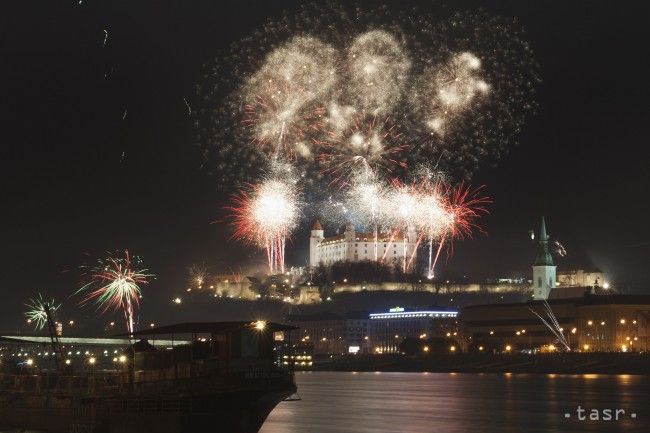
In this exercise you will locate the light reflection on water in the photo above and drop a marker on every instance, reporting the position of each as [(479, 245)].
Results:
[(442, 402)]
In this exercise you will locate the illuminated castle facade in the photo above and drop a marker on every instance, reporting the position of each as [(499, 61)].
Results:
[(355, 247)]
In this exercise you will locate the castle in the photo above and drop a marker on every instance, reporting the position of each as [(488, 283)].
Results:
[(355, 247)]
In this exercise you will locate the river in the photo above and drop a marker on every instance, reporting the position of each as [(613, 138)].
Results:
[(456, 402)]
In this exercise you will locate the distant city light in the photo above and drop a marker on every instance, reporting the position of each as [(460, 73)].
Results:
[(260, 325)]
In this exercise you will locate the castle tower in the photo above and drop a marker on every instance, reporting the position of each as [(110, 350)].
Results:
[(317, 235), (543, 269), (349, 233)]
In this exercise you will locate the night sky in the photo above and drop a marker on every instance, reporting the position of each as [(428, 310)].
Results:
[(79, 179)]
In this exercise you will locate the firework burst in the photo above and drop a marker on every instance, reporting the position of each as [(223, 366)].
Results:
[(197, 275), (36, 313), (265, 214), (114, 284), (377, 67), (461, 84), (449, 91), (369, 146), (281, 100)]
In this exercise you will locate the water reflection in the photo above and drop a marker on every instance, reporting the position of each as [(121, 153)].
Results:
[(440, 402)]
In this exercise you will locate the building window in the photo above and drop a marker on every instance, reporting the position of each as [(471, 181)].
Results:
[(550, 282), (539, 281)]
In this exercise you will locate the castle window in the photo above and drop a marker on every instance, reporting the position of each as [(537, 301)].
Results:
[(550, 282), (539, 282)]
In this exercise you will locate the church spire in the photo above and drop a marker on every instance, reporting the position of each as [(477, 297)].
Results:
[(544, 257)]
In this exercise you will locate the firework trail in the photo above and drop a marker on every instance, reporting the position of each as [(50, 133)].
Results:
[(265, 215), (37, 311), (552, 324), (189, 109), (105, 37), (114, 283)]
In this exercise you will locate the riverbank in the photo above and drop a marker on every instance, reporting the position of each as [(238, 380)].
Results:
[(560, 363)]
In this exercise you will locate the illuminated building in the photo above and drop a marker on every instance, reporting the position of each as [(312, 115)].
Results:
[(389, 329), (354, 247), (331, 333), (591, 323)]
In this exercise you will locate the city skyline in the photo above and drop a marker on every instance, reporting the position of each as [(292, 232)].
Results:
[(100, 153)]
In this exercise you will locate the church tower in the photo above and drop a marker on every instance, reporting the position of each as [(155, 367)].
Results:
[(317, 235), (544, 268)]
